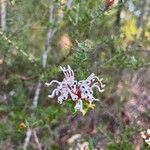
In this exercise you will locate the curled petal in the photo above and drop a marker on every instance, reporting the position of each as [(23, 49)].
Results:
[(53, 93), (53, 81), (71, 72), (92, 99), (100, 81), (57, 92), (95, 99), (99, 89), (64, 95), (91, 76), (90, 79), (60, 100), (73, 96), (64, 71), (67, 72), (61, 68)]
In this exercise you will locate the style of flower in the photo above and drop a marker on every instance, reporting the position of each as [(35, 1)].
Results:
[(146, 136), (78, 91)]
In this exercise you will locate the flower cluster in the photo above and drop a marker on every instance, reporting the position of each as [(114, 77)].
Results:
[(146, 136), (77, 91)]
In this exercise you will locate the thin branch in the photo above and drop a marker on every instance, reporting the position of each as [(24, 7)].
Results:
[(34, 105), (50, 34), (37, 140), (27, 139), (36, 95), (28, 56), (3, 14)]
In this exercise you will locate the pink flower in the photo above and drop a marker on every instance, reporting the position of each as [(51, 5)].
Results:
[(77, 91)]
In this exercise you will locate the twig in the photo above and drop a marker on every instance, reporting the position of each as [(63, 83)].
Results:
[(51, 32), (3, 14), (37, 140), (27, 139), (50, 35), (28, 56), (36, 95)]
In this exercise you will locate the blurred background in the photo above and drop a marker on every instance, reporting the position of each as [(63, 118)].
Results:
[(110, 38)]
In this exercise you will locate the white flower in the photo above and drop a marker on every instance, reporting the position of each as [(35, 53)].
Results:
[(78, 91)]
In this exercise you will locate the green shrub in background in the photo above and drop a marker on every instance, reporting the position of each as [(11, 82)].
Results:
[(98, 44)]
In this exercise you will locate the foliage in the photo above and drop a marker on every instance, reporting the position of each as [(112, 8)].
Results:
[(97, 44)]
